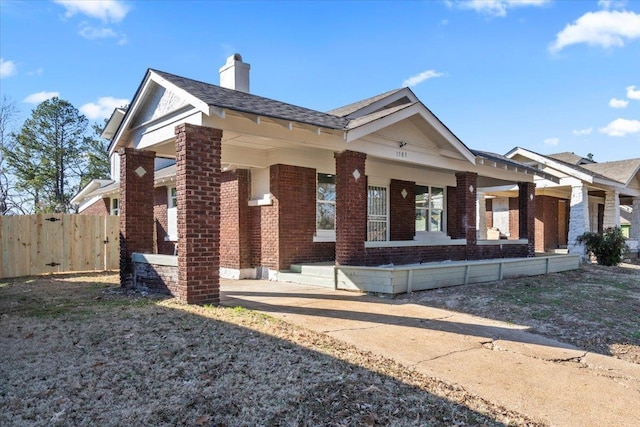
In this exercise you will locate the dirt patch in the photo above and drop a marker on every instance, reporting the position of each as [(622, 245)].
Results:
[(595, 308), (77, 350)]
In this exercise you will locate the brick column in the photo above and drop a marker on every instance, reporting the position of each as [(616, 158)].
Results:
[(611, 210), (235, 223), (198, 185), (527, 215), (466, 189), (136, 207), (578, 218), (351, 208)]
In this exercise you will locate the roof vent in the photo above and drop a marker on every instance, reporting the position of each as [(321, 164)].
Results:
[(235, 74)]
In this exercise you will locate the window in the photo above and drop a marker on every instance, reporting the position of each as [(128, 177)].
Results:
[(115, 206), (429, 208), (377, 214), (173, 197), (326, 204)]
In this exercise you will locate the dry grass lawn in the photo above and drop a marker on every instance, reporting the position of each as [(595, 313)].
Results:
[(77, 350)]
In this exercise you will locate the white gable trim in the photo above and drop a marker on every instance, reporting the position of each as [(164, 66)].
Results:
[(380, 103), (375, 125), (567, 170)]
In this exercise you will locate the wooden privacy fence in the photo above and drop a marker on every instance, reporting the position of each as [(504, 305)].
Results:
[(56, 243)]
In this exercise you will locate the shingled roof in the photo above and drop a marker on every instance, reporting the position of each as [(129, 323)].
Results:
[(570, 158), (231, 99), (352, 108), (621, 171)]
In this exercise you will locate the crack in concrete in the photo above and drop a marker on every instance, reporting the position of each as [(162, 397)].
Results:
[(444, 355), (575, 359), (328, 331)]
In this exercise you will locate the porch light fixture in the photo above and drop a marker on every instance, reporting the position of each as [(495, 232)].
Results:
[(402, 144)]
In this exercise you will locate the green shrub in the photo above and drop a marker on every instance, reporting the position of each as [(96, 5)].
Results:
[(608, 247)]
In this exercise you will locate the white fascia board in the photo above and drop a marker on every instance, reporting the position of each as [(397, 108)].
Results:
[(418, 108), (550, 164), (163, 129), (92, 186), (613, 184), (384, 101)]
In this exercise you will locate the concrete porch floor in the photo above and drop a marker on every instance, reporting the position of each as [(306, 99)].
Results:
[(547, 380)]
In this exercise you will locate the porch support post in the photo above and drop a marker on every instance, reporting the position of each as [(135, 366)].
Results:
[(578, 218), (198, 185), (481, 212), (466, 189), (136, 207), (351, 208), (611, 210), (527, 215), (634, 233)]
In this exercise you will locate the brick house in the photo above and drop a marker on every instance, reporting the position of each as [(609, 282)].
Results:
[(245, 186), (588, 196)]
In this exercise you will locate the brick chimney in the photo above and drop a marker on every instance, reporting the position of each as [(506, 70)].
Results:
[(235, 74)]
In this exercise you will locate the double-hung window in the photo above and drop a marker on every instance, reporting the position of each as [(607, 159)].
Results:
[(429, 208), (115, 206), (172, 214), (326, 206), (377, 214)]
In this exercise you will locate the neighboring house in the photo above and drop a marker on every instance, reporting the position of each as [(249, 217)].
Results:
[(589, 196), (380, 181)]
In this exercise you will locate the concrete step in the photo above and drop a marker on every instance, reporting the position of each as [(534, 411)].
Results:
[(319, 270), (306, 279)]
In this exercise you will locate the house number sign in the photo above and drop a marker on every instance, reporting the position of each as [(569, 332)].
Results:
[(401, 154)]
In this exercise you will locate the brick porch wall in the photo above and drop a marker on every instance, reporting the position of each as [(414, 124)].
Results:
[(351, 208), (198, 152), (100, 207), (452, 217), (489, 213), (546, 227), (514, 218), (160, 201), (402, 215), (136, 207)]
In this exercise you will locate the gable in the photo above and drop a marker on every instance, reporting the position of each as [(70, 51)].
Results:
[(159, 103)]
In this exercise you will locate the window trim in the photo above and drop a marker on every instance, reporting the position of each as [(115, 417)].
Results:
[(323, 234), (372, 182), (171, 197), (428, 231), (114, 210)]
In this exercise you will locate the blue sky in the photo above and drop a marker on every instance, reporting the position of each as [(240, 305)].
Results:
[(550, 76)]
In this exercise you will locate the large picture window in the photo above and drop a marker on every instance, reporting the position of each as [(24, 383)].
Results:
[(326, 204), (377, 214), (429, 208)]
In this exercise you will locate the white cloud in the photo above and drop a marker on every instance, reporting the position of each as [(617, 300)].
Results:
[(419, 78), (621, 127), (552, 142), (632, 93), (37, 98), (618, 103), (612, 4), (494, 7), (103, 108), (36, 72), (602, 28), (92, 33), (105, 10), (581, 132), (7, 68)]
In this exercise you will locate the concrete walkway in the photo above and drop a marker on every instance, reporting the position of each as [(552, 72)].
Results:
[(548, 381)]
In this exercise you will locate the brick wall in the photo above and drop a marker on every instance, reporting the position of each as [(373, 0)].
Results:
[(514, 218), (489, 213), (160, 204), (402, 215), (351, 208), (136, 207), (157, 278), (546, 227), (235, 220), (198, 152), (527, 214), (452, 215), (100, 207)]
